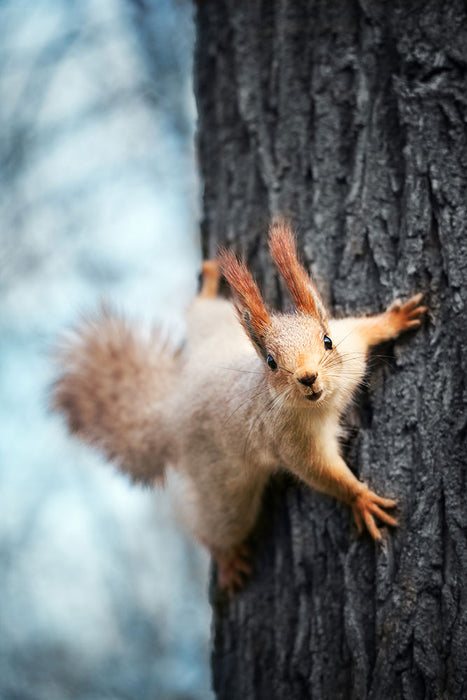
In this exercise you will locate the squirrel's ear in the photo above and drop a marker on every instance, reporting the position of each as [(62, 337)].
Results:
[(299, 283), (247, 297)]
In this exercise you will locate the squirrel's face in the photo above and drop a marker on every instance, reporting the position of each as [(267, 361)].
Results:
[(303, 365), (302, 362)]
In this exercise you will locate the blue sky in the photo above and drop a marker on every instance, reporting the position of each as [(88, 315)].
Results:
[(103, 594)]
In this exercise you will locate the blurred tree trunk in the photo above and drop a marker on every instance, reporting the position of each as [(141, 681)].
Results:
[(350, 117)]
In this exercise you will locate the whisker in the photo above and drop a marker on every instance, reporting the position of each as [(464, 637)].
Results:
[(347, 376), (276, 402), (253, 425), (284, 398), (248, 398), (342, 358), (345, 373), (238, 369), (352, 330), (250, 431), (326, 352)]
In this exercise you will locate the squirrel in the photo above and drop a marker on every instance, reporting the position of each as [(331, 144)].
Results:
[(250, 391)]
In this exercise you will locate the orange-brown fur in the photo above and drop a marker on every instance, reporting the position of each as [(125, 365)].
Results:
[(299, 283), (218, 412), (250, 306), (112, 390)]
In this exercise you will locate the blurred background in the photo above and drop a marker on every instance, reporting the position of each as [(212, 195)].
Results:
[(101, 593)]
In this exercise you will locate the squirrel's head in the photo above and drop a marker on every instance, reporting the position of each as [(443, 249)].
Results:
[(296, 348)]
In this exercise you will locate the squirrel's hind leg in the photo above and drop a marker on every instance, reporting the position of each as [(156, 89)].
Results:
[(211, 276)]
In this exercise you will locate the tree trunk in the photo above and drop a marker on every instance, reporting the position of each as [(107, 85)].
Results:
[(349, 117)]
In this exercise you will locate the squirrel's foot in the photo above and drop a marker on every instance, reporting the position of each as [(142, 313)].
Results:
[(404, 317), (211, 276), (366, 506), (233, 567)]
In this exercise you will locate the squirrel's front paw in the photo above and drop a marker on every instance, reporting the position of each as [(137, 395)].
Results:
[(403, 317), (366, 506), (232, 567)]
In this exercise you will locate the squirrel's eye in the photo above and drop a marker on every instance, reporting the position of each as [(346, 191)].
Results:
[(271, 362), (327, 343)]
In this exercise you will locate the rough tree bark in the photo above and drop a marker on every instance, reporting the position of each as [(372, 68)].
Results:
[(350, 117)]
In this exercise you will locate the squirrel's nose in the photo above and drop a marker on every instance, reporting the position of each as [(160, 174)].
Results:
[(307, 379)]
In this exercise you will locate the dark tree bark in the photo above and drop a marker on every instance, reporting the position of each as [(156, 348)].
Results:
[(350, 117)]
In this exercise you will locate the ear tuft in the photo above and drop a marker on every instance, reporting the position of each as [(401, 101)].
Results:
[(300, 285), (248, 300)]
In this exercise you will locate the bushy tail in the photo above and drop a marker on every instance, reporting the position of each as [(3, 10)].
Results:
[(112, 391)]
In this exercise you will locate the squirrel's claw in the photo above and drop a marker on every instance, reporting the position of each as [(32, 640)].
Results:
[(409, 315), (233, 567), (366, 506)]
